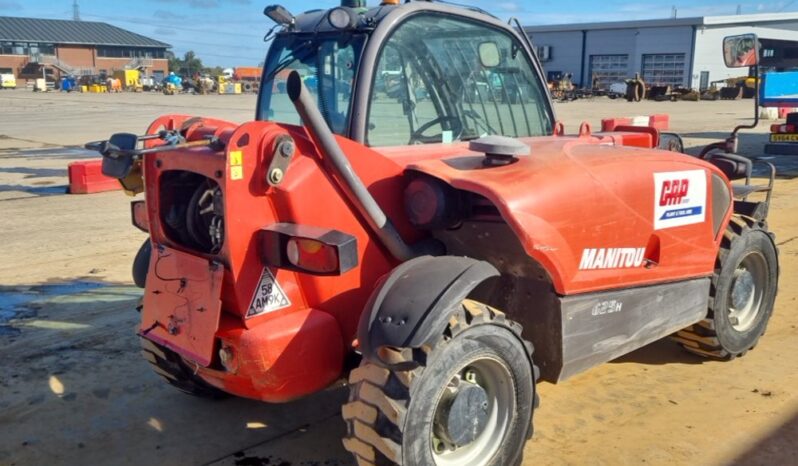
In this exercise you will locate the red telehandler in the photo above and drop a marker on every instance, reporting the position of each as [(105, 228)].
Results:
[(407, 212)]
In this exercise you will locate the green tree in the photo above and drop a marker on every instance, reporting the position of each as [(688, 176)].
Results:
[(187, 66), (192, 63), (213, 70)]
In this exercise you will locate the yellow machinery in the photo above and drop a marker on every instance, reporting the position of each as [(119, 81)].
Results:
[(131, 79), (169, 89), (226, 86), (8, 81)]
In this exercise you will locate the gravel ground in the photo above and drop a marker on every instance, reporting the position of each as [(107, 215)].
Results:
[(74, 390)]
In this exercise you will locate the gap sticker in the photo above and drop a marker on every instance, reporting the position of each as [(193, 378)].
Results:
[(680, 198), (268, 297)]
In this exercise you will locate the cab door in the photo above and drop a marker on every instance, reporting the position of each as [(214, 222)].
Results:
[(432, 83)]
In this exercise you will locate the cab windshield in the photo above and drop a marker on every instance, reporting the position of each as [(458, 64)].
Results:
[(327, 66)]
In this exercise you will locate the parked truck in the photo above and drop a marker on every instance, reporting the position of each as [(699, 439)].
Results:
[(246, 78)]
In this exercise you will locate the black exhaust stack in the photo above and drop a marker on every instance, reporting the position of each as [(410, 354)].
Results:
[(353, 186)]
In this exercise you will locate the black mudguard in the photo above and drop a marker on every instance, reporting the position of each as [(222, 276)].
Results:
[(409, 306)]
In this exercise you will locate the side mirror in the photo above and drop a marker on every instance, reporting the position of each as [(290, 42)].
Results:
[(741, 51), (116, 162), (489, 55)]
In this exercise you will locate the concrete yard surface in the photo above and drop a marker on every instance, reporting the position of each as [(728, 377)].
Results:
[(74, 389)]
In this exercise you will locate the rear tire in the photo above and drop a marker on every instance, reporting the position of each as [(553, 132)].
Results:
[(742, 294), (410, 417), (176, 372)]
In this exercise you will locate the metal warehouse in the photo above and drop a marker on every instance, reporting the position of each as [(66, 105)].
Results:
[(677, 51), (31, 48)]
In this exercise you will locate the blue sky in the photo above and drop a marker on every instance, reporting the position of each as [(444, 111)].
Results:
[(230, 32)]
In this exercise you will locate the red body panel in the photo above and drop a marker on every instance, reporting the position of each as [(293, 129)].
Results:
[(571, 194), (281, 352), (182, 307), (577, 194), (294, 354)]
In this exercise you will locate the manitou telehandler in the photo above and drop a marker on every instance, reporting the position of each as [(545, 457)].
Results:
[(406, 211)]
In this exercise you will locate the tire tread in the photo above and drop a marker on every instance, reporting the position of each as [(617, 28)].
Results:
[(380, 397), (174, 370), (701, 338)]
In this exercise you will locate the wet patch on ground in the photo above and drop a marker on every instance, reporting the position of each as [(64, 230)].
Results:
[(71, 152), (24, 302), (35, 172)]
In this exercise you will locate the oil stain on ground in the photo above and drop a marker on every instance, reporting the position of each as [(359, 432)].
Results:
[(243, 460)]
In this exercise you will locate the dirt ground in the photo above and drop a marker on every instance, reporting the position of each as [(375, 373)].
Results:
[(74, 390)]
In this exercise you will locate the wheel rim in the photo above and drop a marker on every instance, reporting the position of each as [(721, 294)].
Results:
[(495, 379), (747, 290)]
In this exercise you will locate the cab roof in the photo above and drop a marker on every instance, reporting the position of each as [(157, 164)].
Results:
[(315, 21)]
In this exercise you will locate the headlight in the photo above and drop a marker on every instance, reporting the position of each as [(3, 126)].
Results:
[(342, 18)]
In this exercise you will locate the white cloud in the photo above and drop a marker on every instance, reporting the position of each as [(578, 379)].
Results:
[(509, 6)]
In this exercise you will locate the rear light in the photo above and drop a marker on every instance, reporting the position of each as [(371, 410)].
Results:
[(306, 249), (138, 214), (782, 129), (312, 255)]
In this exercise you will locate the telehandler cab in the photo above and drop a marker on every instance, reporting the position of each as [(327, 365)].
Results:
[(406, 211)]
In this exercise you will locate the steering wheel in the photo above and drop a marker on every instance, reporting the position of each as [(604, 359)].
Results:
[(418, 135)]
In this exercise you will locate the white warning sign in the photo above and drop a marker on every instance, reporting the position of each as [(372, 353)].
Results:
[(268, 297)]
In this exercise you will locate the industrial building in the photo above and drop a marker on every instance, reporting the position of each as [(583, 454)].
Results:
[(676, 51), (32, 48)]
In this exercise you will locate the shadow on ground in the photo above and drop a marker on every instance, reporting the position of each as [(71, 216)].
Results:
[(46, 190), (76, 390), (660, 352), (777, 448)]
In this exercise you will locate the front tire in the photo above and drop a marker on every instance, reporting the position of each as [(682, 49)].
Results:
[(742, 294), (466, 400)]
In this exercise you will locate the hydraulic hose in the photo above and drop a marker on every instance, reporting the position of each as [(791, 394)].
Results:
[(354, 187)]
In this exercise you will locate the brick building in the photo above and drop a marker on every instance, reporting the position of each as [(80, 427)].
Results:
[(31, 48)]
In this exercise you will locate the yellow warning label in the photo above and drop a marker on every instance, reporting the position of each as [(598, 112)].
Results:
[(236, 158), (236, 162)]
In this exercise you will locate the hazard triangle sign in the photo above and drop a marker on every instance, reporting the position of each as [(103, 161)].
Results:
[(268, 297)]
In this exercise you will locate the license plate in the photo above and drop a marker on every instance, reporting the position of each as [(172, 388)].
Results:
[(182, 303), (784, 138)]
